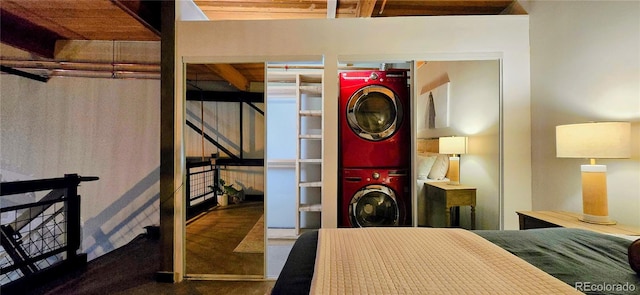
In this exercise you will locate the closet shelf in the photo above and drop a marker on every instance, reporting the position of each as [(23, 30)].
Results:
[(310, 161), (310, 136), (311, 113), (311, 184), (311, 89), (287, 91), (281, 163), (310, 207)]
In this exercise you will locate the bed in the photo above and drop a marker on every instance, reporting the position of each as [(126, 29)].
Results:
[(431, 166), (457, 261)]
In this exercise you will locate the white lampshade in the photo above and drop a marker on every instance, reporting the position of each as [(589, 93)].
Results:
[(455, 145), (604, 140)]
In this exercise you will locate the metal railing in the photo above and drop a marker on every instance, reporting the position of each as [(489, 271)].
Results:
[(42, 236), (201, 180)]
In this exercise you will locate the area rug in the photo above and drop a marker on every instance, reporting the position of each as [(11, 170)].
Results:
[(253, 242)]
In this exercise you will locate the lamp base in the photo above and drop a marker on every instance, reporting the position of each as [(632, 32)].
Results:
[(454, 170), (604, 220), (594, 195)]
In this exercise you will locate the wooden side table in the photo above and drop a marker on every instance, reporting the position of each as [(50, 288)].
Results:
[(443, 196), (544, 219)]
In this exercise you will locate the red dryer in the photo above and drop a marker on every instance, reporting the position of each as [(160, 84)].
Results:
[(374, 119), (375, 197)]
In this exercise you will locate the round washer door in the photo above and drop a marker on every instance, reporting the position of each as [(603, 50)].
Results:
[(374, 112), (374, 205)]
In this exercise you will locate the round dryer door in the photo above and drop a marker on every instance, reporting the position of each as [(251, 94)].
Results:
[(374, 205), (374, 112)]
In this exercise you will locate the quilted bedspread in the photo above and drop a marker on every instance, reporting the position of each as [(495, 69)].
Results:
[(422, 261)]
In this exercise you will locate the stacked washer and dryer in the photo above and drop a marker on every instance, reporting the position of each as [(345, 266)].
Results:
[(374, 147)]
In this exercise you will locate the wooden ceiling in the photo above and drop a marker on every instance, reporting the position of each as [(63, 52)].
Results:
[(297, 9), (111, 33), (35, 25)]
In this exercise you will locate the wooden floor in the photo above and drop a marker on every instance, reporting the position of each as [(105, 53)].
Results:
[(131, 269), (201, 287), (212, 237)]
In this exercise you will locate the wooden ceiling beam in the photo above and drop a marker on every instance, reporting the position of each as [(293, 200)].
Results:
[(146, 12), (231, 75), (264, 9), (262, 5), (427, 8), (217, 15), (21, 33), (365, 8)]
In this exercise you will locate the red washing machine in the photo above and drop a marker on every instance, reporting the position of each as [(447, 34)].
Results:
[(374, 119), (375, 197)]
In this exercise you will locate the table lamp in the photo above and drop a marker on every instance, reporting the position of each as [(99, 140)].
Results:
[(603, 140), (455, 146)]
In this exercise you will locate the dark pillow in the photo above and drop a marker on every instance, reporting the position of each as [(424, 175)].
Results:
[(634, 256)]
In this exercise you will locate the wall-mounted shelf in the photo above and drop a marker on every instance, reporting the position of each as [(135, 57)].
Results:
[(306, 88), (309, 150)]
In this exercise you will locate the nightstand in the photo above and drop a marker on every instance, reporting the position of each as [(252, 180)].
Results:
[(441, 197), (544, 219)]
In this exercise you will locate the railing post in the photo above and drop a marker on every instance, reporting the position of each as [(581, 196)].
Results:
[(216, 181), (33, 224), (187, 187), (73, 215)]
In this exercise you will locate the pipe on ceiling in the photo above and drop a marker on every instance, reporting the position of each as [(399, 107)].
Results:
[(87, 69)]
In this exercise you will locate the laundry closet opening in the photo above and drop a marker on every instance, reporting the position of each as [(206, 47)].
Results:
[(374, 144)]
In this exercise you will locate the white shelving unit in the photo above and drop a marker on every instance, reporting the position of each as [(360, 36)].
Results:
[(305, 85)]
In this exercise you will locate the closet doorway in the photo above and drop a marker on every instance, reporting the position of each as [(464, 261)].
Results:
[(224, 138)]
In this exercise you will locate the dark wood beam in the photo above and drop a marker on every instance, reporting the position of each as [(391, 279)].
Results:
[(226, 96), (23, 74), (146, 12), (211, 140), (168, 190), (23, 34)]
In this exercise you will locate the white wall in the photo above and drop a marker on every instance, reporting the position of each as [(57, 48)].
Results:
[(474, 98), (92, 127), (404, 39), (585, 66)]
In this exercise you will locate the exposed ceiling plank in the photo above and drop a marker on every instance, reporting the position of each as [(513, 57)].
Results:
[(262, 5), (146, 12), (263, 9), (216, 15), (23, 34), (30, 11), (83, 19), (365, 8), (432, 8), (231, 75)]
